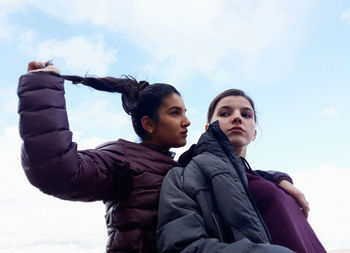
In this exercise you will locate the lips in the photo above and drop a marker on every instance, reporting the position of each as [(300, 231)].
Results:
[(184, 133), (237, 129)]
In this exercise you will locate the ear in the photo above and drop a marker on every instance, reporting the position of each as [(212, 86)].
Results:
[(254, 135), (148, 124)]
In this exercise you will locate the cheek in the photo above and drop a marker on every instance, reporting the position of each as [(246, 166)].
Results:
[(222, 123), (169, 128), (252, 130)]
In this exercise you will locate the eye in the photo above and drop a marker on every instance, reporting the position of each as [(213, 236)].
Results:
[(247, 115), (224, 114), (175, 112)]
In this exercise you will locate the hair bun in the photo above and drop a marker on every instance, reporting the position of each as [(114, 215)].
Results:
[(143, 85)]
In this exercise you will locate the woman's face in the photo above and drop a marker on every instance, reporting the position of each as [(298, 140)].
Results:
[(236, 119), (171, 128)]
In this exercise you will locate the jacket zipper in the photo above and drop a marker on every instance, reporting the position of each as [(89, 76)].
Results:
[(219, 136), (255, 206), (245, 187), (217, 226)]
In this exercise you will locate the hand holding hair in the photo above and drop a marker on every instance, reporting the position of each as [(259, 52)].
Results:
[(47, 66)]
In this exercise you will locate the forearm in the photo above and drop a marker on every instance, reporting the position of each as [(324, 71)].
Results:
[(275, 176), (43, 122)]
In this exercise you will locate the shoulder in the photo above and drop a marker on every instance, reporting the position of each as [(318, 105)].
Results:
[(175, 174), (110, 144), (206, 159), (209, 164), (195, 175), (111, 153), (119, 145)]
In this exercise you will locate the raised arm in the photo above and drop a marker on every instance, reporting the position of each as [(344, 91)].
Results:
[(49, 157), (181, 226)]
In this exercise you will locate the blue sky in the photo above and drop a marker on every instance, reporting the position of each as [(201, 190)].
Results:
[(291, 57)]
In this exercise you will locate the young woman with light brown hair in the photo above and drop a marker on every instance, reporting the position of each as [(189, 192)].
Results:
[(217, 203)]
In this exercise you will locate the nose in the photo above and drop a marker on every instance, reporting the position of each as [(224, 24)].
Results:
[(185, 122), (236, 118)]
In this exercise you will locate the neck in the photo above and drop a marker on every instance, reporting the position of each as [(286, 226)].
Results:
[(150, 143), (166, 152), (241, 151)]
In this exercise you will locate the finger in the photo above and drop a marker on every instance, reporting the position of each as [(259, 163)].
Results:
[(33, 65), (306, 208), (305, 212), (49, 62)]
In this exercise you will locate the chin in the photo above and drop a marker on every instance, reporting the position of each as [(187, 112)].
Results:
[(237, 142), (179, 145)]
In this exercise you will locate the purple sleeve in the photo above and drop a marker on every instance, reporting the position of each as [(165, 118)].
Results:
[(275, 176), (49, 157)]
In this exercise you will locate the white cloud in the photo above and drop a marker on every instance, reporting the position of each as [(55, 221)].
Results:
[(44, 224), (78, 54), (111, 119), (330, 112), (69, 247), (188, 37), (7, 7), (346, 16), (326, 189), (92, 142), (10, 157), (34, 222), (8, 101), (27, 39), (340, 251)]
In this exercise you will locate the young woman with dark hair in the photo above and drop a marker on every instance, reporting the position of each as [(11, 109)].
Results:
[(217, 203), (125, 175)]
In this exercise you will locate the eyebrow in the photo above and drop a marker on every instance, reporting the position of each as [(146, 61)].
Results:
[(175, 107), (247, 109), (230, 108)]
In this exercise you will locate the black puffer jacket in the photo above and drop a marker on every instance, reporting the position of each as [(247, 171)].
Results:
[(206, 207)]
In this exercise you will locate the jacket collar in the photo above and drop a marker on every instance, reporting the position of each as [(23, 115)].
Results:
[(215, 141), (166, 152)]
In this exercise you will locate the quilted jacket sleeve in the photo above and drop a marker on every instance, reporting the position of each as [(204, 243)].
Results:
[(49, 157), (181, 227)]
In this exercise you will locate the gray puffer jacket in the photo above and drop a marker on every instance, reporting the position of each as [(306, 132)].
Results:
[(206, 207)]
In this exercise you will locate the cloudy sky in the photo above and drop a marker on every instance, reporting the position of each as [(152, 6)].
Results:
[(292, 57)]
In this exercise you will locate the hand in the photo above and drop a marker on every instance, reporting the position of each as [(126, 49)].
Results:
[(42, 66), (297, 195)]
